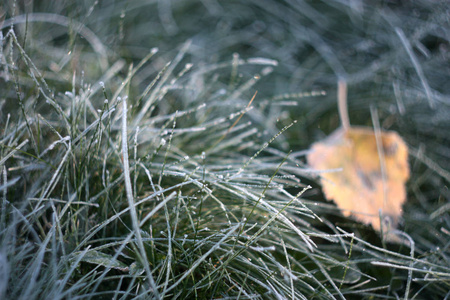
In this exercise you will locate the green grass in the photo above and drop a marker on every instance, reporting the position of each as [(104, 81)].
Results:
[(135, 165)]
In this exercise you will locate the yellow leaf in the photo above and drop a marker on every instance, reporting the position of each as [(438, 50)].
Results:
[(366, 186)]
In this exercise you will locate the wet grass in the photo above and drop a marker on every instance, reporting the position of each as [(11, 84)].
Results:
[(138, 162)]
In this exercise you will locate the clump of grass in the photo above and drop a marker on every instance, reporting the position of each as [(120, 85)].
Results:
[(158, 177)]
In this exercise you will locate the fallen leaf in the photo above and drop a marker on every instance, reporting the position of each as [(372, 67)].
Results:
[(100, 259), (367, 186)]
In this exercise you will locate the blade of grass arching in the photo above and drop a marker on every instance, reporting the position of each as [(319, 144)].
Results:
[(241, 62), (305, 208), (235, 140), (15, 135), (241, 290), (176, 243), (311, 276), (265, 270), (238, 128), (222, 206), (136, 160), (162, 81), (154, 81), (202, 195), (261, 149), (125, 293), (27, 154), (288, 263), (411, 263), (161, 173), (85, 32), (58, 293), (342, 104), (4, 188), (222, 119), (168, 260), (149, 87), (19, 219), (441, 275), (29, 63), (257, 285), (234, 72), (111, 149), (189, 213), (430, 163), (305, 238), (125, 86), (98, 227), (74, 261), (96, 139), (131, 204), (105, 115), (203, 257), (180, 113), (238, 252), (53, 129), (264, 274), (348, 262), (109, 266), (53, 181), (262, 194), (8, 116), (4, 275), (395, 257), (235, 122), (54, 248), (106, 77), (7, 156), (3, 58), (22, 109), (251, 82), (33, 271), (328, 277), (325, 257), (35, 75), (97, 123), (417, 66), (244, 192), (268, 264)]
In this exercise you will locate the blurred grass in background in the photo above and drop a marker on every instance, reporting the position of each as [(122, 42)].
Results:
[(217, 220)]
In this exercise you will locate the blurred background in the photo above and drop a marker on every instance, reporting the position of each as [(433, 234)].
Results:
[(393, 54)]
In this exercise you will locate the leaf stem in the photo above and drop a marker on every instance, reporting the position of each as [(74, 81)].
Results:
[(342, 104)]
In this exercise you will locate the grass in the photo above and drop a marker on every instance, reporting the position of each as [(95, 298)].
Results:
[(137, 161)]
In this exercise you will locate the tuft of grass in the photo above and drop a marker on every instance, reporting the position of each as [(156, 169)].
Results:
[(136, 164)]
